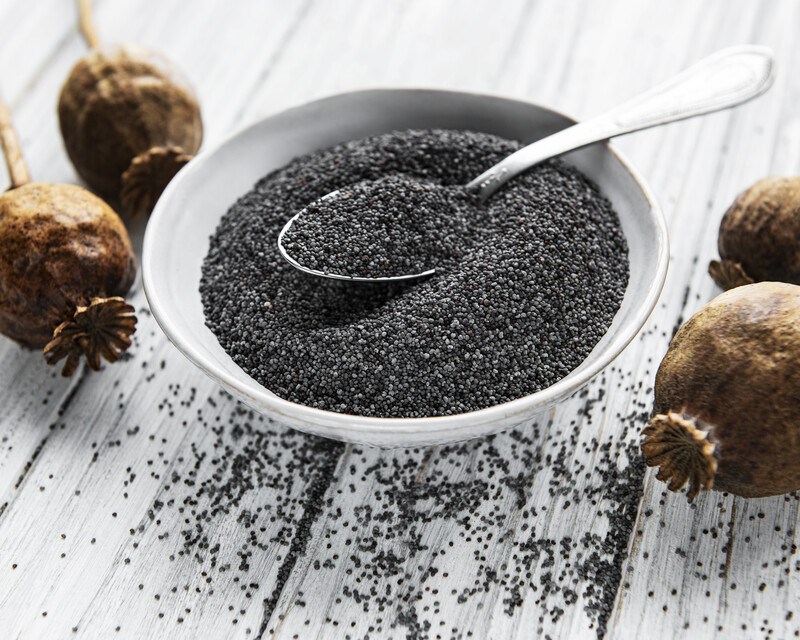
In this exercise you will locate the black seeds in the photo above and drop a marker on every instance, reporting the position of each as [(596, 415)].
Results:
[(388, 227), (520, 308)]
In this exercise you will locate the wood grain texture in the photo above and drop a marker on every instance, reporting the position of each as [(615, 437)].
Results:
[(724, 566), (143, 502)]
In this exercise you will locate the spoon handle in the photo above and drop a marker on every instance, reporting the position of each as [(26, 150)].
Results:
[(723, 80)]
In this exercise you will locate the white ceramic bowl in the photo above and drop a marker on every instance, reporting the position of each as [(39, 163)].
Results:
[(177, 237)]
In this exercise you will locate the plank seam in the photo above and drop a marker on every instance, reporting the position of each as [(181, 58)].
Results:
[(274, 59), (25, 92), (60, 410), (317, 488)]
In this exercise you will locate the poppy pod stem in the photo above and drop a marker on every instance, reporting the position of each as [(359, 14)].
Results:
[(86, 21), (17, 169)]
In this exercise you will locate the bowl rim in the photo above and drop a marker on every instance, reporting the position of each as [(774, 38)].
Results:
[(250, 389)]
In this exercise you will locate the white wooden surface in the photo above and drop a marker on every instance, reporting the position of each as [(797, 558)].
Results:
[(125, 495)]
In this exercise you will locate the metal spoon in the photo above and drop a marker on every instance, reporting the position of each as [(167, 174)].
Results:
[(723, 80)]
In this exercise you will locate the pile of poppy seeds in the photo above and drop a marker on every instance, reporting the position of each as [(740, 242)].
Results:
[(531, 286), (388, 227)]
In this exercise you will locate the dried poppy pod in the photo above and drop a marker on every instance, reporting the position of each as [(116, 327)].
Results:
[(759, 237), (65, 260), (727, 396), (128, 121)]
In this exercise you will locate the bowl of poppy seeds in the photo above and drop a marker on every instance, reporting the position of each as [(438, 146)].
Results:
[(535, 291)]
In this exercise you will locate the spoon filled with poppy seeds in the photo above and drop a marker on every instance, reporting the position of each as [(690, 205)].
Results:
[(397, 228)]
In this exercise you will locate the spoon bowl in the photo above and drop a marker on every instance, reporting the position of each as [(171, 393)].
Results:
[(336, 276)]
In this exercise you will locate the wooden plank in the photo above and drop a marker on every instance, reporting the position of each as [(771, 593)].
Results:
[(353, 44), (117, 498), (100, 586), (37, 124), (524, 533), (33, 36), (724, 566), (553, 562), (498, 538), (61, 467)]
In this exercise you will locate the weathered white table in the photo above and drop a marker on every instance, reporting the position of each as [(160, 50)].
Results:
[(141, 502)]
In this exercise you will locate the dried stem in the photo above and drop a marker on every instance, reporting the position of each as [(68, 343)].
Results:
[(86, 22), (17, 169)]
